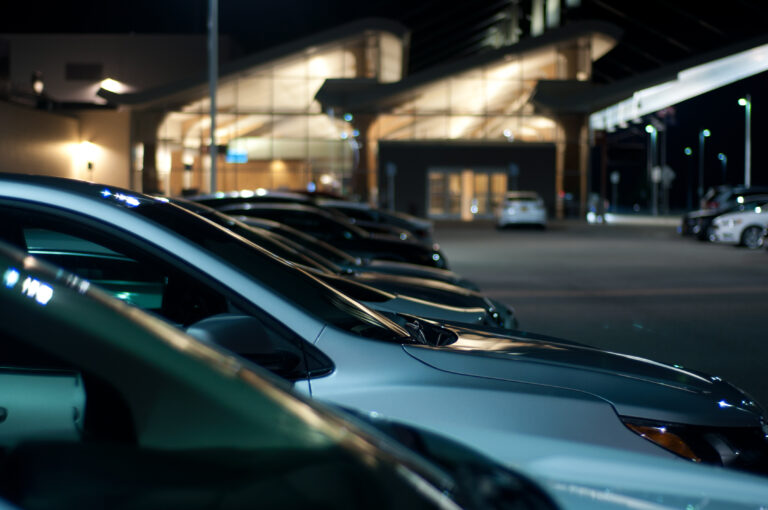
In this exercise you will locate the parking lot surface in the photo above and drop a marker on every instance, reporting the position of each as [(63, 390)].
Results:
[(636, 289)]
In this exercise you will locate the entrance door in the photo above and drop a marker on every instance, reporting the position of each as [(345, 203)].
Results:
[(465, 193)]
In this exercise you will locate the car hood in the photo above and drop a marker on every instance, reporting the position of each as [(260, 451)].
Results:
[(634, 386)]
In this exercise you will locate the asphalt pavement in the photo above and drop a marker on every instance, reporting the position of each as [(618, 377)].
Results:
[(633, 288)]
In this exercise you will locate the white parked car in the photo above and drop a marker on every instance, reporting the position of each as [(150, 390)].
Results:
[(521, 208), (743, 227)]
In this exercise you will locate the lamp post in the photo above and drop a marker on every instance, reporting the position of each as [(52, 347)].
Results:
[(746, 102), (689, 180), (652, 170), (724, 160), (703, 134)]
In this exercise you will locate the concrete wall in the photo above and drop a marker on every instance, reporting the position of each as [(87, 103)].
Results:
[(138, 60), (37, 142), (110, 132), (535, 161), (40, 142)]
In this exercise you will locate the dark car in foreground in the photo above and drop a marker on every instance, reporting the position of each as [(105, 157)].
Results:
[(108, 407)]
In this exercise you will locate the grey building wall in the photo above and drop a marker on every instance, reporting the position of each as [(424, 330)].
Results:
[(535, 162)]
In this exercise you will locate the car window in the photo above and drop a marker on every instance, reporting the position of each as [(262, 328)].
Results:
[(141, 279)]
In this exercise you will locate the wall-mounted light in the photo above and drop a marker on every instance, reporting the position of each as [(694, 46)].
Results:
[(88, 152), (113, 85), (37, 82)]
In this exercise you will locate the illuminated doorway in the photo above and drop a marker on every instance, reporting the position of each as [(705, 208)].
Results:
[(465, 193)]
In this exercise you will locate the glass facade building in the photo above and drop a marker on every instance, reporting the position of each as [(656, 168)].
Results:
[(314, 113)]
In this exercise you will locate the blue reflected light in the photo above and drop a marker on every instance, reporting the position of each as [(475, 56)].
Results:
[(723, 404), (129, 200), (10, 277), (33, 288), (126, 199)]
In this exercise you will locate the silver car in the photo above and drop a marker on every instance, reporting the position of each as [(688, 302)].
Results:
[(483, 388)]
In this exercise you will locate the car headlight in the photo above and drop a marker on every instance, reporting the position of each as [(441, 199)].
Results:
[(665, 438), (739, 447)]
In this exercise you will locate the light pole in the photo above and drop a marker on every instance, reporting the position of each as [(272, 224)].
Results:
[(703, 134), (689, 178), (724, 160), (746, 102), (652, 170)]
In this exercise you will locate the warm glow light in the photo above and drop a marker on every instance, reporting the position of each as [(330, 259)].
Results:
[(113, 86), (278, 165)]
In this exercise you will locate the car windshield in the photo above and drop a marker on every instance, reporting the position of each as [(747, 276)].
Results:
[(296, 285)]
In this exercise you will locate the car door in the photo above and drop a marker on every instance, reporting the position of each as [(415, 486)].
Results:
[(130, 270)]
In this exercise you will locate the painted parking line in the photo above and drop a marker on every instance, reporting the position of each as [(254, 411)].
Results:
[(576, 293)]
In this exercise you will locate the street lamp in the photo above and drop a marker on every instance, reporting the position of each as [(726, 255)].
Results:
[(652, 170), (724, 160), (689, 179), (703, 134), (746, 102)]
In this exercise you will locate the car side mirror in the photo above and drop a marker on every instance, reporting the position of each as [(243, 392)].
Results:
[(246, 336)]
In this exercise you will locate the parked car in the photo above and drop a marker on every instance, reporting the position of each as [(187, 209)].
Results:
[(725, 195), (349, 263), (365, 214), (342, 233), (743, 227), (265, 196), (521, 208), (698, 223), (476, 386), (391, 293), (105, 406)]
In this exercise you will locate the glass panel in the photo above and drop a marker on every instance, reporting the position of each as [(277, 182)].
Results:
[(395, 127), (466, 96), (466, 127), (454, 193), (505, 97), (254, 94), (540, 65), (289, 126), (295, 68), (391, 54), (437, 193), (433, 98), (290, 94), (327, 65), (480, 200), (498, 188), (430, 127)]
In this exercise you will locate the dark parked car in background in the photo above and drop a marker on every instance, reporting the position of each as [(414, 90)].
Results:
[(342, 233), (715, 202)]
